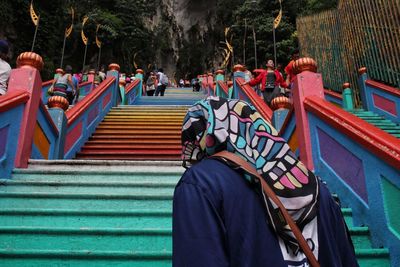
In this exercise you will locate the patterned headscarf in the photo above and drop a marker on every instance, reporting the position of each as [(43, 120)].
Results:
[(216, 124)]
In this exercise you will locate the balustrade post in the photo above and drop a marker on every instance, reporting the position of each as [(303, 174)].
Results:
[(219, 77), (113, 70), (347, 94), (140, 75), (91, 76), (238, 72), (307, 83), (363, 77), (122, 84), (27, 78), (281, 106)]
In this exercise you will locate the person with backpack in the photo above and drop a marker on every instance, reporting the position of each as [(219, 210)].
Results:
[(65, 85), (162, 82), (270, 81)]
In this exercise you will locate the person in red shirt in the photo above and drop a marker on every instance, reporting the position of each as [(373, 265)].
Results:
[(289, 68), (271, 81)]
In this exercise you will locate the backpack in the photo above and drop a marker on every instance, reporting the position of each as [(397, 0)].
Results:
[(164, 79)]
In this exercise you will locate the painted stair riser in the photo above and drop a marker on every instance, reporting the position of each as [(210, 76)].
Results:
[(79, 240), (86, 221), (143, 131), (132, 142), (85, 261), (139, 127), (59, 176), (63, 189), (85, 204), (134, 137), (124, 157), (130, 147)]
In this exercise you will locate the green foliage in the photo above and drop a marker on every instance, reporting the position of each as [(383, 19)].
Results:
[(130, 35)]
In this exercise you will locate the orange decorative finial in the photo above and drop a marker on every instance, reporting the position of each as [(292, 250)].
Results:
[(139, 71), (30, 59), (304, 64), (229, 83), (281, 102), (362, 71), (238, 67), (220, 72), (122, 82), (58, 102), (346, 85), (114, 66), (92, 72)]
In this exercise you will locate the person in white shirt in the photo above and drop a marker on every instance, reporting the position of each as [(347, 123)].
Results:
[(162, 82), (5, 68)]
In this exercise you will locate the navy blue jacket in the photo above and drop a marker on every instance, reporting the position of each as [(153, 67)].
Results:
[(220, 220)]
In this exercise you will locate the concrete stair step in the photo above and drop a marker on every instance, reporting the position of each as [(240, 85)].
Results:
[(106, 258), (92, 239), (58, 218), (34, 200)]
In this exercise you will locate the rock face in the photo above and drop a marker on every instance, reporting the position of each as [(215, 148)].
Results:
[(183, 16)]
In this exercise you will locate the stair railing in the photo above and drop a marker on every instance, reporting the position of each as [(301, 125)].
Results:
[(379, 98), (359, 162), (133, 91), (12, 107)]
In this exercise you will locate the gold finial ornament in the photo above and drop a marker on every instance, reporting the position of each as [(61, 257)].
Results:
[(304, 64), (139, 71), (58, 102), (346, 85), (281, 102), (30, 59)]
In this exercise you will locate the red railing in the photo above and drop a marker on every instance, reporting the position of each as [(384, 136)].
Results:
[(257, 102), (13, 99), (132, 85), (391, 90), (85, 103), (380, 143)]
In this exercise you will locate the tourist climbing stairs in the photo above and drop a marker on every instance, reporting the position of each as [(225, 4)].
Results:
[(378, 121)]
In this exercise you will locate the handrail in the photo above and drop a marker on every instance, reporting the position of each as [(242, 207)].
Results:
[(132, 85), (47, 83), (83, 84), (259, 104), (389, 89), (81, 106), (13, 99), (333, 94), (380, 143)]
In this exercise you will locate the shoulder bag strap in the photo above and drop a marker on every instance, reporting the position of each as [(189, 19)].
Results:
[(231, 157)]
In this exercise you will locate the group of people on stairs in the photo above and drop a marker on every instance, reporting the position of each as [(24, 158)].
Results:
[(156, 83)]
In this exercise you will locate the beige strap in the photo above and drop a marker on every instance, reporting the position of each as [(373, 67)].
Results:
[(231, 157)]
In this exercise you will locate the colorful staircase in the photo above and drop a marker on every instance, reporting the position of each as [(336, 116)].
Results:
[(137, 133), (378, 121), (88, 213), (100, 212)]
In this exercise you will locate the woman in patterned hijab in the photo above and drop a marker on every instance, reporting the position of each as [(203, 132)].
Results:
[(217, 124)]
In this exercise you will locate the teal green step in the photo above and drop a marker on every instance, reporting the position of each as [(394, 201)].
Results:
[(86, 218), (373, 257), (94, 176), (51, 258), (83, 187), (91, 239), (360, 237), (348, 216), (84, 201)]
